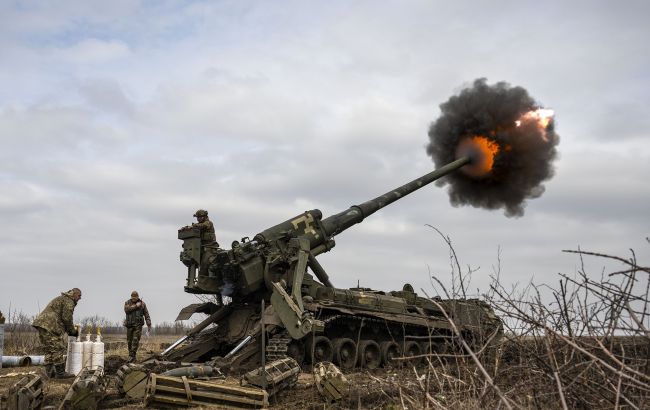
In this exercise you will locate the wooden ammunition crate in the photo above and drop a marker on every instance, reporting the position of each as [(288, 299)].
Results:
[(26, 394), (182, 391)]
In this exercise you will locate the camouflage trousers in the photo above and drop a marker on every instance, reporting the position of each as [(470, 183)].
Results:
[(52, 346), (208, 254), (133, 334)]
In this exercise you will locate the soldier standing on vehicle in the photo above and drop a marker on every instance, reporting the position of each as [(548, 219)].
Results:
[(208, 246), (206, 227), (52, 323), (136, 315)]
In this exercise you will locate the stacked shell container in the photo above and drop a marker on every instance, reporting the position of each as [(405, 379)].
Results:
[(97, 351), (87, 352), (76, 355), (68, 354)]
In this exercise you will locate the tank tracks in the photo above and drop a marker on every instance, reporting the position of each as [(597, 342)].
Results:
[(281, 345)]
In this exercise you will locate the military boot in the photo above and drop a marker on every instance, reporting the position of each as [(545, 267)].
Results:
[(60, 372), (49, 370)]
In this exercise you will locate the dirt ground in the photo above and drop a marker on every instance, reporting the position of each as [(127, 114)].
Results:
[(518, 370), (364, 392), (116, 355)]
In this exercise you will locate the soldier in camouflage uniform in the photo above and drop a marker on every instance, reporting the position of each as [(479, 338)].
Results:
[(206, 227), (52, 323), (136, 315), (208, 245)]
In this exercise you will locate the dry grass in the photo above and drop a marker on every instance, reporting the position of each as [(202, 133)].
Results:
[(520, 368), (582, 345), (26, 343)]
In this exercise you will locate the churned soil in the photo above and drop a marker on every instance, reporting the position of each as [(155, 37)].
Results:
[(364, 390)]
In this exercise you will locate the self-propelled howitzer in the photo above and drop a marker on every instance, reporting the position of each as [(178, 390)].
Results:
[(273, 267)]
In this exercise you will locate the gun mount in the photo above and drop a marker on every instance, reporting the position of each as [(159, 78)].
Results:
[(273, 267)]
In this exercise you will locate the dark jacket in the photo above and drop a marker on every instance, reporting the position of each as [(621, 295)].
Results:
[(136, 315)]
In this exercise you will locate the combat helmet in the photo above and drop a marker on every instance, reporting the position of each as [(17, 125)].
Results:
[(200, 212)]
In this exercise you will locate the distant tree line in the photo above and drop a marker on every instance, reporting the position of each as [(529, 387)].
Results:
[(19, 322)]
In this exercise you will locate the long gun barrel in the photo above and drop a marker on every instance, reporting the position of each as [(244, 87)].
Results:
[(357, 213), (250, 267)]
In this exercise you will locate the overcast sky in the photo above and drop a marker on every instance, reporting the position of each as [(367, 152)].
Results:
[(119, 119)]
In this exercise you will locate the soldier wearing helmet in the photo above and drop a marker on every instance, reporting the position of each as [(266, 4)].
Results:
[(209, 246), (205, 226)]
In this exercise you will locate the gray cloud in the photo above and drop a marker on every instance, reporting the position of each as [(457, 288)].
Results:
[(114, 128)]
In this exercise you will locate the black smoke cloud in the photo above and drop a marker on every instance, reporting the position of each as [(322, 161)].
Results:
[(526, 152)]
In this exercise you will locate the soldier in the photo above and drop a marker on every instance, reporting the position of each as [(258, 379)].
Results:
[(208, 245), (51, 323), (136, 314), (206, 227)]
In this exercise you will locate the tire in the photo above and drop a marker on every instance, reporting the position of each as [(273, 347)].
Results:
[(323, 349), (413, 349), (427, 347), (345, 353), (389, 350), (369, 355)]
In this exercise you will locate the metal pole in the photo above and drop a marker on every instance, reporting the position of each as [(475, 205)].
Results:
[(2, 341), (311, 358), (263, 347), (173, 345), (239, 346)]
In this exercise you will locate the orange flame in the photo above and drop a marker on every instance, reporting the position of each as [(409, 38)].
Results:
[(483, 150), (542, 116), (488, 150)]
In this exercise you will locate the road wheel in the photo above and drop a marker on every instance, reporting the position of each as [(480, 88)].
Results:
[(369, 355), (389, 350), (413, 349), (345, 353), (322, 349)]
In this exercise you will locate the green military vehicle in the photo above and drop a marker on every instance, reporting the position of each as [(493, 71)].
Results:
[(305, 316)]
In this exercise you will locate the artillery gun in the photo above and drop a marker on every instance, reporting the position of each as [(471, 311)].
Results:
[(307, 318)]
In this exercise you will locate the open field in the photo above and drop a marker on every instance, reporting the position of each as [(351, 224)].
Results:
[(521, 371), (587, 349)]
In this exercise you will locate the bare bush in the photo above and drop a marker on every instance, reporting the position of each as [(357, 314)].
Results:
[(20, 337), (582, 344), (90, 324), (589, 347)]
